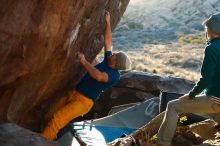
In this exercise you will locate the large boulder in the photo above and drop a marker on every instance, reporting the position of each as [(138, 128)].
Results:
[(152, 82), (14, 135), (38, 45)]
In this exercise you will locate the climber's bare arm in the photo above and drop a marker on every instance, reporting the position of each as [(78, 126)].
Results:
[(94, 73), (108, 32)]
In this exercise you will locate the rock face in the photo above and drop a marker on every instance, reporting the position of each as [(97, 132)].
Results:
[(151, 82), (38, 45), (13, 135)]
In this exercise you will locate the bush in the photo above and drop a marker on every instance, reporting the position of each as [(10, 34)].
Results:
[(191, 39), (135, 25)]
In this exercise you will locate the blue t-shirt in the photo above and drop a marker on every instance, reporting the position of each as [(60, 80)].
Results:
[(90, 87)]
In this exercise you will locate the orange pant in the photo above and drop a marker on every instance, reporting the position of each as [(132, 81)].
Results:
[(66, 109)]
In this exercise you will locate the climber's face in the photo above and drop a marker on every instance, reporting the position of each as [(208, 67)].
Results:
[(112, 61)]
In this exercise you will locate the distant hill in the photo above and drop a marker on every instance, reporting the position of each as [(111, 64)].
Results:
[(163, 21)]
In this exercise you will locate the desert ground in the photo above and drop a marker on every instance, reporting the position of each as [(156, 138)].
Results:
[(164, 37), (169, 59)]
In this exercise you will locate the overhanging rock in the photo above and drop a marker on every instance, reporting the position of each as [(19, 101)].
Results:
[(38, 45)]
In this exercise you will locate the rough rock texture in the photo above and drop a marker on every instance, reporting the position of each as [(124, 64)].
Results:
[(206, 129), (152, 82), (13, 135), (38, 45)]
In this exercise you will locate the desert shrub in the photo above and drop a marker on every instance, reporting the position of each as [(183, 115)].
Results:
[(135, 25), (191, 39), (121, 28), (154, 71), (182, 119)]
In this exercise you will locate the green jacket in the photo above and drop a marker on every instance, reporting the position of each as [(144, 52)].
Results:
[(210, 71)]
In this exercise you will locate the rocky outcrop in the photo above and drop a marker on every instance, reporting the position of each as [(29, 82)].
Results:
[(207, 131), (152, 82), (38, 45), (13, 135)]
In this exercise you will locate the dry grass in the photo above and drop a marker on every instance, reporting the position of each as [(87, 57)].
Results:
[(171, 59), (191, 39), (180, 60)]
